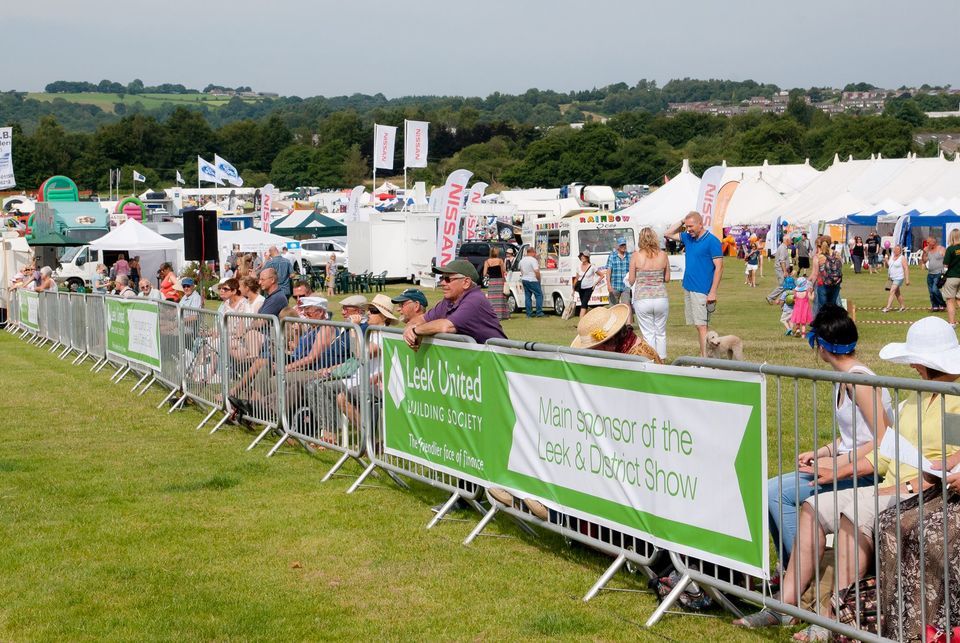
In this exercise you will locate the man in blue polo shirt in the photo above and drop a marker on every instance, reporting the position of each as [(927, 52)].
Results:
[(701, 276)]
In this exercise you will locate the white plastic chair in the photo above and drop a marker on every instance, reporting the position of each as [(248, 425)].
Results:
[(914, 258)]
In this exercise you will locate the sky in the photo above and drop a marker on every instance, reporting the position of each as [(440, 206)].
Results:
[(322, 47)]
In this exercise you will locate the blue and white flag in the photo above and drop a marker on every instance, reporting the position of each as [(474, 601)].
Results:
[(180, 178), (139, 178), (207, 171), (227, 171)]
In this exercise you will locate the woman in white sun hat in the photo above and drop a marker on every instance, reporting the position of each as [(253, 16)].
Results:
[(933, 351)]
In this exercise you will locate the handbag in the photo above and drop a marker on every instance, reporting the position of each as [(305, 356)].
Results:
[(941, 280), (845, 605), (936, 635)]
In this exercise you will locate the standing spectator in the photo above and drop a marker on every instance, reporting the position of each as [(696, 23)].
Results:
[(494, 272), (101, 280), (250, 289), (751, 258), (168, 281), (830, 276), (191, 297), (857, 254), (463, 311), (899, 274), (121, 267), (781, 261), (530, 279), (149, 292), (135, 272), (276, 299), (951, 265), (412, 303), (331, 274), (584, 282), (873, 248), (288, 257), (618, 264), (123, 287), (804, 248), (932, 258), (282, 268), (47, 282), (701, 278), (649, 274)]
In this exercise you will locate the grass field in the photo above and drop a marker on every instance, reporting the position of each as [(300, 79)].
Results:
[(120, 522), (106, 102)]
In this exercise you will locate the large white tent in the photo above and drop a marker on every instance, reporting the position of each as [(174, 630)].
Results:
[(669, 203), (137, 240)]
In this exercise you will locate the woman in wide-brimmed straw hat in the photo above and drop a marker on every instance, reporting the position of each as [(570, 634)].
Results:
[(606, 329)]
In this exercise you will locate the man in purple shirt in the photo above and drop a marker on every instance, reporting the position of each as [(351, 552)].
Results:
[(464, 309)]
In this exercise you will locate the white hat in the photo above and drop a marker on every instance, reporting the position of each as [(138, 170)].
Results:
[(313, 302), (931, 342)]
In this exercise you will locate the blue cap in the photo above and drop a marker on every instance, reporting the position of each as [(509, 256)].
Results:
[(621, 241), (186, 281), (411, 294)]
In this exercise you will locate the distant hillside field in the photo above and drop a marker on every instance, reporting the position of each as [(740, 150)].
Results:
[(106, 102)]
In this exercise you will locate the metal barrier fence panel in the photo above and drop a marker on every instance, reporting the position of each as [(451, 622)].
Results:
[(66, 323), (372, 396), (49, 330), (13, 312), (171, 351), (78, 325), (203, 363), (252, 372), (96, 329), (855, 514), (322, 369)]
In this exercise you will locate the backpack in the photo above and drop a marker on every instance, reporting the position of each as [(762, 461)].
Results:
[(832, 272)]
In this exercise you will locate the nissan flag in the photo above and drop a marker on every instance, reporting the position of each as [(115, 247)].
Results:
[(384, 140), (709, 186), (353, 205), (415, 143), (207, 171), (266, 202), (226, 171), (451, 204), (6, 158), (476, 193)]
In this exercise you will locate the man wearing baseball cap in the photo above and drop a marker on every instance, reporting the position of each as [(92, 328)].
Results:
[(412, 303), (463, 311)]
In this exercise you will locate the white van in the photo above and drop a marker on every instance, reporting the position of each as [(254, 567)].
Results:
[(558, 243)]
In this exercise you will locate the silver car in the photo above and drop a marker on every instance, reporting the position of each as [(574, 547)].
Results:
[(316, 252)]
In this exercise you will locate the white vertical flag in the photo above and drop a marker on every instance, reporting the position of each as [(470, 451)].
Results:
[(139, 178), (180, 178), (207, 171), (353, 205), (476, 193), (266, 202), (451, 204), (227, 171), (6, 158), (384, 139), (415, 143)]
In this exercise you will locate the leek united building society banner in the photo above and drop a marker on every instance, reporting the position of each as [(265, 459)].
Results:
[(133, 330), (675, 456)]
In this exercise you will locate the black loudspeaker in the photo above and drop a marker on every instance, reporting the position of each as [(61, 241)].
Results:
[(200, 235)]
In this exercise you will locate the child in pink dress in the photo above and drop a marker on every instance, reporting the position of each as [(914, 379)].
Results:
[(802, 313)]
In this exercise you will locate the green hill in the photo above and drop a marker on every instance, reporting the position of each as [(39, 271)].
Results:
[(107, 102)]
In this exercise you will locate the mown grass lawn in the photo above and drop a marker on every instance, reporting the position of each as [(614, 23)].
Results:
[(119, 521)]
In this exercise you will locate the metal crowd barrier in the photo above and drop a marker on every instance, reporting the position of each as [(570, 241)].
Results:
[(203, 361), (78, 326), (804, 404), (171, 351), (48, 318), (251, 372), (458, 489), (96, 330), (13, 313), (322, 375), (66, 323)]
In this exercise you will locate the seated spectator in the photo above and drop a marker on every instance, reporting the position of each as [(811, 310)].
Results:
[(233, 301), (123, 287), (169, 283), (379, 313), (47, 282), (148, 291), (250, 289), (851, 513), (411, 303)]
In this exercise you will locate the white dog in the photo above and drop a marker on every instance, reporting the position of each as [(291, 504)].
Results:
[(724, 347)]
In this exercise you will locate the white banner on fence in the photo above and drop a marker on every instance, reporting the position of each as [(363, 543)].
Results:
[(29, 309), (415, 143), (133, 330), (384, 141), (451, 204), (6, 158)]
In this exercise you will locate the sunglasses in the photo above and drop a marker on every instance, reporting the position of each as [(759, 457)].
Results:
[(448, 278), (225, 288)]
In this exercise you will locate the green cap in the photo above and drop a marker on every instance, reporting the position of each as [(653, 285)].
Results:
[(460, 267)]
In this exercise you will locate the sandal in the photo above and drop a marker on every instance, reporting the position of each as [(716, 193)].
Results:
[(813, 633), (902, 308), (764, 618)]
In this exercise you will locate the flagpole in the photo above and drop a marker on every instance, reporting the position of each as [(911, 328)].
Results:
[(404, 160)]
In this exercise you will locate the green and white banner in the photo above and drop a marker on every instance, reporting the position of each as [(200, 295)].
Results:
[(29, 309), (675, 456), (133, 330)]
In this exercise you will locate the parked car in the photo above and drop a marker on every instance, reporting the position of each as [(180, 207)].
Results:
[(316, 252), (477, 252)]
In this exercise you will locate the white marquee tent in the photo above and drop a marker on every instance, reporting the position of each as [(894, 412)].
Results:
[(667, 204), (135, 239)]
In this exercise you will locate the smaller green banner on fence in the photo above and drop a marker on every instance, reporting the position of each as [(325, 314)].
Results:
[(133, 330), (29, 309)]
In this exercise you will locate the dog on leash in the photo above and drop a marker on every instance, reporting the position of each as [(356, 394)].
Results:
[(724, 346)]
